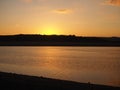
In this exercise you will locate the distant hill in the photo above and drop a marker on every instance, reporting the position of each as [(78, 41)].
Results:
[(56, 40)]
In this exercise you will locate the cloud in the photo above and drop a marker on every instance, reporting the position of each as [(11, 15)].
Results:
[(63, 11), (113, 2), (27, 1)]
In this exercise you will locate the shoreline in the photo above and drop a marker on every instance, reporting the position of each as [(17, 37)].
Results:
[(59, 44), (57, 40), (15, 81)]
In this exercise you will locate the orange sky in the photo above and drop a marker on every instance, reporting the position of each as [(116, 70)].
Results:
[(79, 17)]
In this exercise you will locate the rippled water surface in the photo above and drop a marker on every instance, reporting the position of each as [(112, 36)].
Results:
[(99, 65)]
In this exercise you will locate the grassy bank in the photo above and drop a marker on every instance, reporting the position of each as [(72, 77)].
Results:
[(10, 81)]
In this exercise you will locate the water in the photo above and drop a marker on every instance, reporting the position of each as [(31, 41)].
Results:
[(99, 65)]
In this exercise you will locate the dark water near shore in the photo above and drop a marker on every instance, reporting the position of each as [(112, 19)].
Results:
[(100, 65)]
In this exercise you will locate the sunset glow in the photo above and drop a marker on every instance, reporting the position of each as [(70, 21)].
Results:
[(49, 30), (75, 17), (60, 44)]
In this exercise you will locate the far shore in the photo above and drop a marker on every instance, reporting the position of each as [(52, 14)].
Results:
[(29, 43), (57, 40), (12, 81)]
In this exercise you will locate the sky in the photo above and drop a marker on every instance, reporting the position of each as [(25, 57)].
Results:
[(68, 17)]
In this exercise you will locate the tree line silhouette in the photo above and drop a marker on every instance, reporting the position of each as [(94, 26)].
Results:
[(36, 39)]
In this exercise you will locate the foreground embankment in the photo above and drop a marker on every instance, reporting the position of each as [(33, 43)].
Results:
[(11, 81)]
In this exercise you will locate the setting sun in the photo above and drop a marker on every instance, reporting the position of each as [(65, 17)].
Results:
[(49, 30), (67, 17), (60, 44)]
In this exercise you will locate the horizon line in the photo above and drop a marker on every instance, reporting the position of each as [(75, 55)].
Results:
[(59, 35)]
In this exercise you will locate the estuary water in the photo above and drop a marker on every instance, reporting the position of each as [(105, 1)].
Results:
[(98, 65)]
